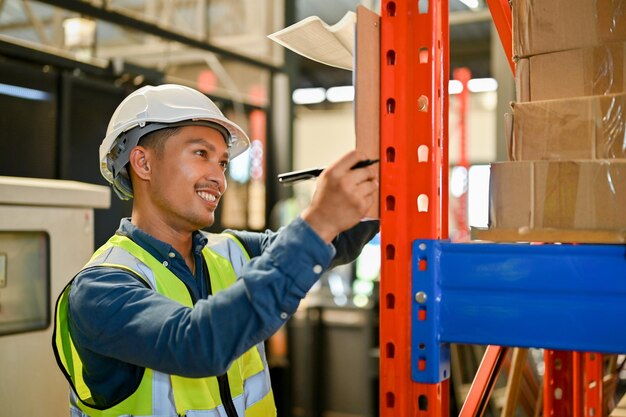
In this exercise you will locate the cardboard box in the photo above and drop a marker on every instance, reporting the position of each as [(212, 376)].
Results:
[(578, 72), (549, 235), (620, 408), (568, 195), (578, 128), (542, 26)]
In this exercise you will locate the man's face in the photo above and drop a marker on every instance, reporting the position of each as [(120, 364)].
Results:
[(188, 178)]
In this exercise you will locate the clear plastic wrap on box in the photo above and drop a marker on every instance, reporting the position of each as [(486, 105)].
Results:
[(597, 70), (558, 195), (578, 128), (543, 26)]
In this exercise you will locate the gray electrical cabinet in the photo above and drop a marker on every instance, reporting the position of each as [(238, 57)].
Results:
[(46, 236)]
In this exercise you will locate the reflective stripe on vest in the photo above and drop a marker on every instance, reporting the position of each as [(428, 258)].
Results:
[(160, 394)]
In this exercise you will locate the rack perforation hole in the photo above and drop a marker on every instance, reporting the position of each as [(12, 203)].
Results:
[(391, 350), (391, 154), (422, 203), (422, 346), (422, 103), (391, 57), (421, 364), (390, 400), (422, 402), (422, 6), (422, 264), (391, 9), (423, 55), (558, 394), (421, 314), (390, 203), (390, 252), (390, 301), (391, 106), (422, 153)]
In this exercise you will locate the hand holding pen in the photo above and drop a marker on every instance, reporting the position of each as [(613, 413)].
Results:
[(306, 174), (345, 191)]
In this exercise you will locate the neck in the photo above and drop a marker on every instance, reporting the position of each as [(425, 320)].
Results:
[(179, 238)]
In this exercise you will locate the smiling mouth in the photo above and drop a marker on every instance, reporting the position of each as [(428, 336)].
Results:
[(207, 196)]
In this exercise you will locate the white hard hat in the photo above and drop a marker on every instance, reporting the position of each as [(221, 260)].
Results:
[(151, 108)]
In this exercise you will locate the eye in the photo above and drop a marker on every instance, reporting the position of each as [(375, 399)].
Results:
[(224, 165), (201, 152)]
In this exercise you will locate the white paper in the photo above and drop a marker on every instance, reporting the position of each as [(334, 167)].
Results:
[(316, 40)]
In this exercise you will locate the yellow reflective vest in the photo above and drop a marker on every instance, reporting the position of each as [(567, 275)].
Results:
[(160, 394)]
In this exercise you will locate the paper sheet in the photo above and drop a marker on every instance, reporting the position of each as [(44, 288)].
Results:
[(316, 40)]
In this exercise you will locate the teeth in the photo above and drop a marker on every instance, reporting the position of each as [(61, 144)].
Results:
[(206, 196)]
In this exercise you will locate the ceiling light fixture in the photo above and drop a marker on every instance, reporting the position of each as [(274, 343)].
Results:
[(80, 35), (340, 94), (308, 95), (345, 93), (481, 85), (25, 93), (475, 85), (455, 87)]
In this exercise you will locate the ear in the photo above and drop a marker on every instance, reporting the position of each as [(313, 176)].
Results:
[(140, 162)]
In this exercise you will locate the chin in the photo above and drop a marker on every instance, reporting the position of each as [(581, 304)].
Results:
[(206, 222), (200, 218), (197, 222)]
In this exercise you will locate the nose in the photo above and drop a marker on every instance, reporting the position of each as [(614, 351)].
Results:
[(217, 177)]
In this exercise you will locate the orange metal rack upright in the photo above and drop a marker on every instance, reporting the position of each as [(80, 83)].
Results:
[(414, 130)]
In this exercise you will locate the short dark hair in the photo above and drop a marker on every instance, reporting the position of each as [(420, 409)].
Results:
[(156, 140)]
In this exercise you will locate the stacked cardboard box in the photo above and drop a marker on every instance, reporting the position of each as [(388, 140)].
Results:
[(546, 26), (620, 408), (595, 70), (567, 133)]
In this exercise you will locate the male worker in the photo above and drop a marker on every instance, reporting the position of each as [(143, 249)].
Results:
[(167, 320)]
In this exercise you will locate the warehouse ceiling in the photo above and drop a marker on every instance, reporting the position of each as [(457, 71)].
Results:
[(211, 34)]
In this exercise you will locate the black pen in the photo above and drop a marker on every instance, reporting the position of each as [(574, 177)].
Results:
[(307, 174)]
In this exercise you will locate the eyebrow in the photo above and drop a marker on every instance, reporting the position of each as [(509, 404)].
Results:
[(210, 146)]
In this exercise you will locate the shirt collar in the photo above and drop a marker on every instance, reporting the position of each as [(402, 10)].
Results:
[(156, 247)]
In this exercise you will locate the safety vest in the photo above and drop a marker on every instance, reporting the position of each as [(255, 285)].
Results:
[(160, 394)]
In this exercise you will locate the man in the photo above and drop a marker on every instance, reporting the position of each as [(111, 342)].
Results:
[(166, 320)]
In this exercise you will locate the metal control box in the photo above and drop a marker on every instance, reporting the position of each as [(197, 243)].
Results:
[(46, 236)]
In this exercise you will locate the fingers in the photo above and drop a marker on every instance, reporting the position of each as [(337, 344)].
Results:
[(353, 184), (367, 191), (342, 169), (347, 161), (343, 196), (369, 173), (358, 197), (369, 186)]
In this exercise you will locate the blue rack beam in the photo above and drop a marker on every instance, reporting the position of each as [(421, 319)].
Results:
[(565, 297)]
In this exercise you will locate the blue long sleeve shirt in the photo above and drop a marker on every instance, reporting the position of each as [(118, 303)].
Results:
[(120, 326)]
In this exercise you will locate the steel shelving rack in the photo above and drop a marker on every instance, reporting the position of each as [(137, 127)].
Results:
[(566, 298)]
